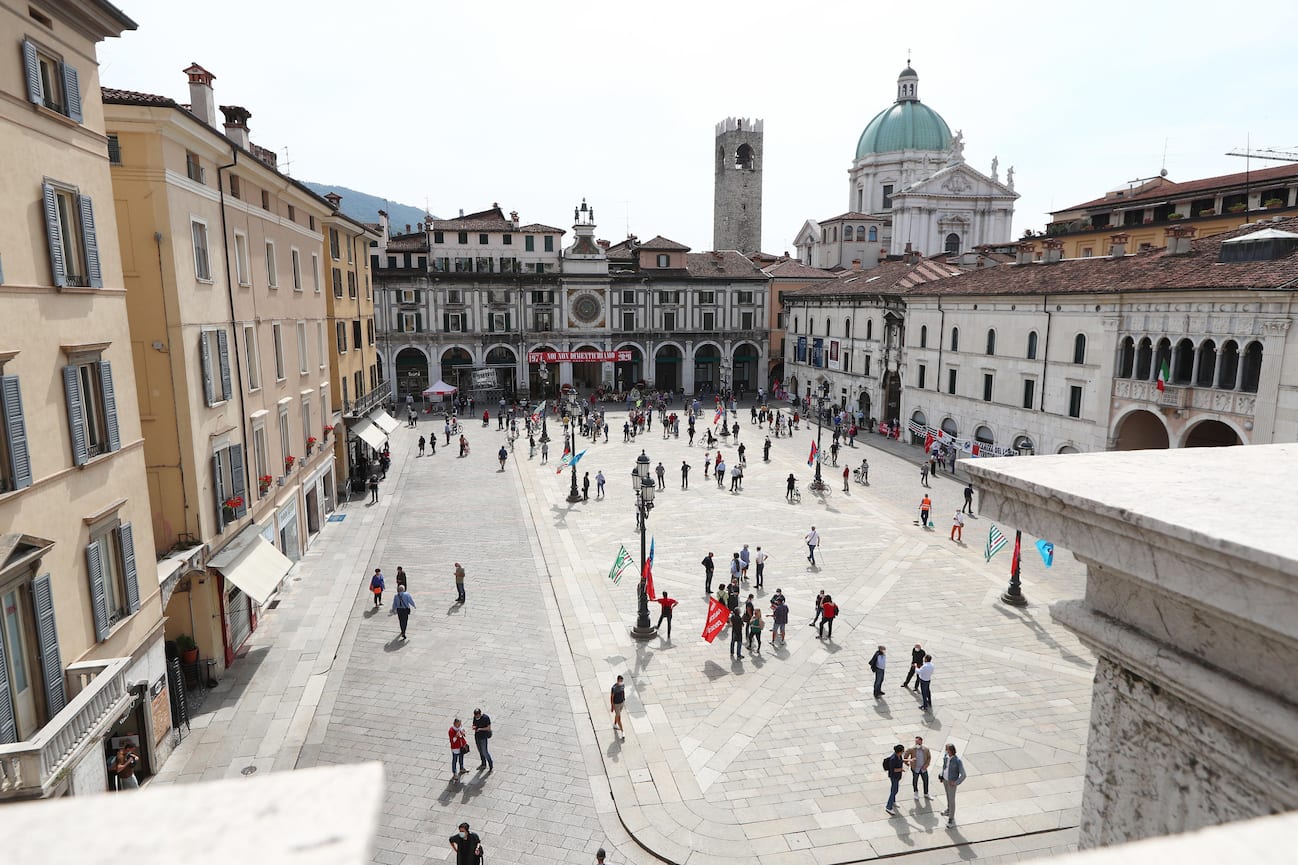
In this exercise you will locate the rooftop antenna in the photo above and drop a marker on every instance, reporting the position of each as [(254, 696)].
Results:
[(288, 163), (1163, 168)]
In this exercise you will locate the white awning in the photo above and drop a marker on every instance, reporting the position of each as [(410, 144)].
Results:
[(369, 433), (255, 567), (384, 421)]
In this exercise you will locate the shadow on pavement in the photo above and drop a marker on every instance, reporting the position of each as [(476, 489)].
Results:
[(1028, 619), (396, 644), (713, 670)]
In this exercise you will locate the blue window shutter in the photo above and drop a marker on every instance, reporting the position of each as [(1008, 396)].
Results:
[(94, 274), (32, 68), (126, 536), (72, 90), (76, 415), (11, 404), (2, 272), (223, 346), (110, 405), (218, 487), (47, 637), (8, 725), (58, 268), (205, 364), (236, 474), (98, 601)]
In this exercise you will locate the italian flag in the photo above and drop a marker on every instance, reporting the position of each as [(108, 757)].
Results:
[(1163, 375)]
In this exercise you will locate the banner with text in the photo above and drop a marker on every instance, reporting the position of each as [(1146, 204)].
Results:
[(578, 356), (718, 615)]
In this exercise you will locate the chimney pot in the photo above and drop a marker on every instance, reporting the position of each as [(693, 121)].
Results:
[(1024, 253), (407, 228), (1054, 251), (202, 102), (236, 124), (1179, 239), (1118, 245), (856, 264)]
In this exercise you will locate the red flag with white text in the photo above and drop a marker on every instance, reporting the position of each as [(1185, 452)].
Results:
[(718, 615)]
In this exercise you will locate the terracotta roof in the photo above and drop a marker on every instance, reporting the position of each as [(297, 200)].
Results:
[(1171, 189), (890, 277), (114, 96), (624, 249), (662, 244), (727, 264), (1155, 270), (417, 242), (852, 215), (792, 269), (468, 223), (538, 228)]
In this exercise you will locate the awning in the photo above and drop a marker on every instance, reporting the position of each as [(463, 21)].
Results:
[(384, 421), (255, 567), (369, 433)]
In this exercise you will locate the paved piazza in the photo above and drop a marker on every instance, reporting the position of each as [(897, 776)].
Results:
[(773, 759)]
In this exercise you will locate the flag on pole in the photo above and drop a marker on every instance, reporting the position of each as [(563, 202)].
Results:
[(1047, 551), (538, 412), (718, 615), (1164, 374), (623, 562), (569, 459), (996, 541), (716, 420), (1014, 562), (649, 572), (811, 457)]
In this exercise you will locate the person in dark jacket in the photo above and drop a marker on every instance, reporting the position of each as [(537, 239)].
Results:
[(467, 846), (708, 567), (737, 628), (916, 659)]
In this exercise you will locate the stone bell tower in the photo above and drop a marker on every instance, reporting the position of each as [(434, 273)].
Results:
[(737, 195)]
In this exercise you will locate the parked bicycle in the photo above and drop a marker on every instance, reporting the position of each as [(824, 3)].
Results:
[(861, 474)]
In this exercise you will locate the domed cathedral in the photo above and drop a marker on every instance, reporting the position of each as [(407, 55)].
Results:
[(910, 170)]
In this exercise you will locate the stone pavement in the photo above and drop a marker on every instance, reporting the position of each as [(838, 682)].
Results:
[(773, 759)]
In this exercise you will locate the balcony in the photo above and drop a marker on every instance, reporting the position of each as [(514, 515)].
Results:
[(1240, 403), (98, 696), (377, 396)]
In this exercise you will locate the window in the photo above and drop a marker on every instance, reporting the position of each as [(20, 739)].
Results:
[(549, 243), (358, 383), (337, 281), (351, 283), (193, 168), (1075, 401), (308, 428), (310, 221), (542, 320), (869, 329), (214, 357), (874, 234), (1079, 348), (292, 213), (709, 321), (320, 343), (51, 83), (453, 322), (92, 408), (707, 297), (664, 260), (260, 455), (462, 237), (669, 297), (277, 334), (991, 342), (950, 381), (923, 336), (229, 485), (628, 320), (315, 271), (340, 334), (483, 240), (743, 297), (114, 587), (250, 351), (463, 265), (955, 339), (265, 200), (952, 245), (529, 243), (669, 321), (356, 334), (407, 295), (295, 258), (498, 322), (887, 196), (922, 373), (508, 264), (484, 264), (235, 191), (202, 267), (351, 250), (285, 443), (745, 321), (272, 270), (334, 250), (988, 380), (15, 460), (1032, 345), (628, 297), (303, 350), (454, 295), (70, 227), (439, 237), (1029, 392), (1088, 251), (369, 331), (241, 259), (507, 239), (440, 265), (114, 150)]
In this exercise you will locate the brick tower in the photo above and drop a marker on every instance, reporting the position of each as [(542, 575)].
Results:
[(737, 195)]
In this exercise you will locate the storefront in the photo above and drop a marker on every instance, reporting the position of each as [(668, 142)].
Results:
[(250, 569)]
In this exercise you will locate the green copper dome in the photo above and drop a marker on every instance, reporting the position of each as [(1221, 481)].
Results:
[(904, 125)]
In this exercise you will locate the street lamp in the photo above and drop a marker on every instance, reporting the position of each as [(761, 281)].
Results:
[(1014, 594), (643, 483), (725, 393), (818, 485)]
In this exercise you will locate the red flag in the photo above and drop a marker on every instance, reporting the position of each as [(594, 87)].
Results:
[(718, 615), (928, 442), (649, 573), (811, 458), (1014, 562)]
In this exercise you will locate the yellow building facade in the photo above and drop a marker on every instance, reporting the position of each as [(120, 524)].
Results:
[(82, 664)]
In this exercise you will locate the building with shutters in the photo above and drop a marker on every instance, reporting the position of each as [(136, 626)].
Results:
[(225, 262), (82, 660)]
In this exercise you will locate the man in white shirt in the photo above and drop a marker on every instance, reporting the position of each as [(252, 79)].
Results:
[(878, 662), (925, 676), (813, 541), (760, 559)]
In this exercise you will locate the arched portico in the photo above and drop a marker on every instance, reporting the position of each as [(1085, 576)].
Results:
[(1140, 430), (457, 363), (411, 374), (668, 367), (707, 368), (1211, 433)]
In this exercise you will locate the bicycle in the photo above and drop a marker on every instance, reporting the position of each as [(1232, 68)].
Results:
[(820, 488), (794, 496), (861, 475)]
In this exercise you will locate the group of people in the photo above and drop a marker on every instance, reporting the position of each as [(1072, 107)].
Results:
[(918, 759)]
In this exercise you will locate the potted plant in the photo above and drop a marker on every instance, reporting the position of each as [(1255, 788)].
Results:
[(1207, 211), (231, 506), (288, 462), (1176, 216), (264, 482), (188, 649), (328, 428), (1237, 208), (1273, 203)]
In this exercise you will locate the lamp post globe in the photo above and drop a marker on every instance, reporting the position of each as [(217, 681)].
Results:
[(645, 489)]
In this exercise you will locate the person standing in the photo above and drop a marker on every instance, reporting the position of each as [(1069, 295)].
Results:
[(766, 450), (401, 577), (599, 484), (878, 662), (923, 474), (736, 568), (467, 846), (616, 700), (667, 604), (459, 583), (402, 604), (719, 472), (685, 475), (707, 464), (736, 476), (813, 540), (846, 471), (755, 627), (662, 475), (377, 586), (789, 486), (745, 558), (968, 498), (446, 428), (374, 488), (743, 449), (781, 619), (828, 612), (736, 633), (957, 527), (121, 768), (925, 505), (459, 747), (481, 733), (820, 599), (918, 758), (953, 775), (925, 676), (708, 567), (585, 487), (423, 442), (895, 766), (760, 560), (545, 452), (916, 658)]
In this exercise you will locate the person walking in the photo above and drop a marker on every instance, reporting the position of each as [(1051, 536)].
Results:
[(432, 442), (957, 527), (599, 484), (925, 505), (585, 487), (894, 765), (923, 474), (685, 475), (953, 775), (616, 700), (745, 558), (459, 747), (755, 627), (736, 634), (878, 662), (708, 567), (402, 604), (736, 474), (423, 442), (820, 599), (662, 475), (459, 583), (780, 616), (720, 473), (828, 612), (968, 498), (813, 540), (401, 577), (916, 658), (918, 758), (833, 451), (545, 452), (467, 846), (481, 733), (846, 472), (925, 676), (743, 460), (377, 586), (446, 428), (760, 559), (374, 488), (789, 486), (736, 568), (666, 603)]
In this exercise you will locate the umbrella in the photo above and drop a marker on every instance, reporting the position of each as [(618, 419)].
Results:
[(440, 388)]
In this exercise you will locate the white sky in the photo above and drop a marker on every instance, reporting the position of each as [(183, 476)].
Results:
[(536, 105)]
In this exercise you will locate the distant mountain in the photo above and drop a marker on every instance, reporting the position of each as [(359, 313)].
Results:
[(365, 208)]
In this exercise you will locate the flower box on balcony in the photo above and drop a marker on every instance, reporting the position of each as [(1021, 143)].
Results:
[(288, 463), (1237, 208), (1176, 216), (1273, 203), (1207, 211)]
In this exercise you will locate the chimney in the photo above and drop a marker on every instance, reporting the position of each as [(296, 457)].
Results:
[(383, 226), (1025, 252), (1054, 251), (1118, 245), (856, 264), (1178, 239), (461, 213), (407, 228), (513, 219), (236, 124), (202, 102), (334, 200)]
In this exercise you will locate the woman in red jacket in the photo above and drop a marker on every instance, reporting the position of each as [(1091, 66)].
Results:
[(459, 747), (828, 612)]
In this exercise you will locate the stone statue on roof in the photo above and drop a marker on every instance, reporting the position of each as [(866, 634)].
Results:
[(957, 145), (1009, 177), (996, 161)]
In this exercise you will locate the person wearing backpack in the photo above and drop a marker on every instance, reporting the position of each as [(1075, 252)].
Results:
[(894, 766), (828, 612), (953, 775)]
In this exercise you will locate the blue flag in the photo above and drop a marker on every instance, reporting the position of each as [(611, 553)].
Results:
[(1047, 551)]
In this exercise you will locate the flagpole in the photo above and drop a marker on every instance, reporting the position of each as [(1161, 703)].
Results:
[(1014, 594)]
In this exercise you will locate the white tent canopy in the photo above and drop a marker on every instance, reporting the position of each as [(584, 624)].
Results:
[(440, 388)]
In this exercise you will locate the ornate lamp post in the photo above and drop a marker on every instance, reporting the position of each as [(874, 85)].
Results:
[(725, 392), (818, 484), (1014, 594), (643, 483)]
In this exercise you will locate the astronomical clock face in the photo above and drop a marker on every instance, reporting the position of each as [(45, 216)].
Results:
[(586, 309)]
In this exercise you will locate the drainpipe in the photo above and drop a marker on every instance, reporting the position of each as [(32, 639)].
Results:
[(1045, 348), (941, 330), (238, 337)]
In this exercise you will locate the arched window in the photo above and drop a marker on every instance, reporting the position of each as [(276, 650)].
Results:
[(1079, 348), (1183, 368), (795, 324), (1229, 365), (860, 232), (1144, 359), (952, 243), (984, 435), (744, 157), (949, 427), (991, 340), (1127, 358), (1162, 355), (874, 234), (847, 328), (955, 339), (1024, 445), (923, 335), (828, 328), (1207, 364), (1252, 367), (869, 328), (1032, 345)]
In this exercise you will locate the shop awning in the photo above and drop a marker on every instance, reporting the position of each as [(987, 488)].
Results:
[(384, 421), (369, 433), (254, 566)]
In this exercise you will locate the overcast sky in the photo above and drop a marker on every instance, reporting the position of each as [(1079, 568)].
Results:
[(536, 105)]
